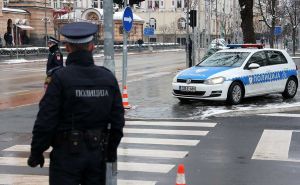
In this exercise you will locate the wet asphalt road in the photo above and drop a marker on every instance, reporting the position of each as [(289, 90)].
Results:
[(224, 156), (149, 88)]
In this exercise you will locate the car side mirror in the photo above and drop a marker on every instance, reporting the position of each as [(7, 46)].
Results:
[(253, 66)]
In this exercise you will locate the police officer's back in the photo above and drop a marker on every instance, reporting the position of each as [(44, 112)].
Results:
[(55, 57), (80, 102)]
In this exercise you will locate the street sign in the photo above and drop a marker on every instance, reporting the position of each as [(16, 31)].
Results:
[(277, 30), (149, 31), (127, 19)]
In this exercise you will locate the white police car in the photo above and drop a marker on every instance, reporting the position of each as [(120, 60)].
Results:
[(232, 74)]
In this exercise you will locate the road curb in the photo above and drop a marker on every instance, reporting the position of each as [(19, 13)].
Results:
[(230, 113), (165, 119)]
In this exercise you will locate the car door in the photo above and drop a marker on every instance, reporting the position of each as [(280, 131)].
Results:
[(254, 77), (278, 67)]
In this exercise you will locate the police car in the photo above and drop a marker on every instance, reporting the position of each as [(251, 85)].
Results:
[(233, 74)]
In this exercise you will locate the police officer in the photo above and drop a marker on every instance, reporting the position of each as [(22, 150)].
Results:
[(82, 99), (55, 57)]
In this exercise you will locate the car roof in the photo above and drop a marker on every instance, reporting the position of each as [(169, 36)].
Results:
[(251, 50)]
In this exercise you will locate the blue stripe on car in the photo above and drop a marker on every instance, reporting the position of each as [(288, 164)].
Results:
[(265, 77), (201, 73)]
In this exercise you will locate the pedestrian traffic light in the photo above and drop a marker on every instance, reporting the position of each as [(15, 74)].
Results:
[(193, 18), (132, 2)]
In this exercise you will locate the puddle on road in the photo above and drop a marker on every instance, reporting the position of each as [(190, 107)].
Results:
[(21, 99), (171, 108)]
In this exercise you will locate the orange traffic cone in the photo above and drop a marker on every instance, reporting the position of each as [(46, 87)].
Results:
[(125, 98), (180, 178)]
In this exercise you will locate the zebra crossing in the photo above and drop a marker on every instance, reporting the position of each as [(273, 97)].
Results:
[(151, 147), (278, 145)]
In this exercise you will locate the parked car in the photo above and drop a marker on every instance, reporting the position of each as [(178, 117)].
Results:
[(233, 74)]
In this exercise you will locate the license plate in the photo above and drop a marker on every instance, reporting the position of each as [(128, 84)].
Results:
[(187, 88)]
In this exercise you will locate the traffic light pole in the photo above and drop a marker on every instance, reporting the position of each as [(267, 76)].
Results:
[(187, 34), (109, 61)]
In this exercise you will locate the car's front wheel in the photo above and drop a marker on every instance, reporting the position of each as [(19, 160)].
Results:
[(290, 88), (235, 93)]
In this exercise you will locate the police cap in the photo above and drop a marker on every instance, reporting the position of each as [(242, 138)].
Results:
[(53, 40), (78, 32)]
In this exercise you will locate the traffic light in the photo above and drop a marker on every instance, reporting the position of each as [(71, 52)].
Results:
[(132, 2), (193, 18)]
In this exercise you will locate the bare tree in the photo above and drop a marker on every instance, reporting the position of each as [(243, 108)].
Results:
[(271, 11), (292, 12), (247, 20)]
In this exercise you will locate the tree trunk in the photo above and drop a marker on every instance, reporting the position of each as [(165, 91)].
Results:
[(272, 36), (294, 41), (247, 21)]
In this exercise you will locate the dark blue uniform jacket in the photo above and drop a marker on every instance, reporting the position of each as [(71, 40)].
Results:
[(55, 58), (83, 96)]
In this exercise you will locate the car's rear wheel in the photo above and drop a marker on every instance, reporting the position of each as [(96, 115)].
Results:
[(235, 93), (290, 88)]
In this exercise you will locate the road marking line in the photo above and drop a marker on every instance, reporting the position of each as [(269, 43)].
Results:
[(273, 145), (13, 179), (156, 141), (145, 167), (282, 115), (152, 153), (122, 166), (165, 132), (166, 123), (121, 151)]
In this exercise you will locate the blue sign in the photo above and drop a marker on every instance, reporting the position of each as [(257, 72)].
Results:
[(278, 30), (127, 19), (149, 31)]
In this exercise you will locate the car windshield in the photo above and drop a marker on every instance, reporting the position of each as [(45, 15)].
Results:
[(225, 59)]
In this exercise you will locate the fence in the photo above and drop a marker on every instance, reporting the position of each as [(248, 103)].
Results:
[(30, 51)]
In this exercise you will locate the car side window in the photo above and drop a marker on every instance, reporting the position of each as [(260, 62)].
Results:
[(259, 58), (276, 57)]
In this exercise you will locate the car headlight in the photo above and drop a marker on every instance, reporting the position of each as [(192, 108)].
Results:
[(213, 81), (175, 79)]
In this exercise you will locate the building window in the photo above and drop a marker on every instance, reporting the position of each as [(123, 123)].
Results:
[(162, 3), (101, 4), (55, 4), (5, 3), (149, 4), (181, 23), (95, 4), (173, 3), (179, 5), (185, 3), (156, 4)]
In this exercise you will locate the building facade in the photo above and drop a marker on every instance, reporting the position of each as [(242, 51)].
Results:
[(95, 15), (24, 22), (215, 18)]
